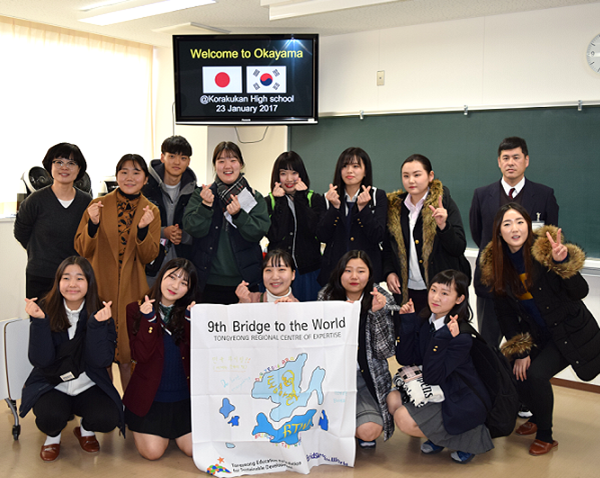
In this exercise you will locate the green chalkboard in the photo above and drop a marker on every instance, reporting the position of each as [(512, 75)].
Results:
[(564, 153)]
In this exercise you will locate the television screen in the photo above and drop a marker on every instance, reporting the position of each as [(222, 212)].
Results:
[(245, 79)]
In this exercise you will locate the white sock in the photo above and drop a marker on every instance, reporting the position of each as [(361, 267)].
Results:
[(52, 440), (84, 432)]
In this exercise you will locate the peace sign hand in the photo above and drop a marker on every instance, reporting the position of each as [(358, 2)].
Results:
[(146, 307), (453, 325), (439, 214), (33, 310), (363, 198), (559, 250), (104, 313)]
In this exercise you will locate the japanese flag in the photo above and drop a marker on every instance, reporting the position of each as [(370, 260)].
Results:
[(265, 79), (222, 79)]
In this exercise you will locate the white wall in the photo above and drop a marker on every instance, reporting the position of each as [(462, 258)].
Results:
[(521, 58)]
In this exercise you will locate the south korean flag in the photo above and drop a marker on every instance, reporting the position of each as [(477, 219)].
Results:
[(266, 79)]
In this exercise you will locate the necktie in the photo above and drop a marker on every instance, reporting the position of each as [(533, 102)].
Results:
[(511, 193)]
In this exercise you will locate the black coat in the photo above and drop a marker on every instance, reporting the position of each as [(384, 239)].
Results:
[(298, 235), (153, 191), (366, 234), (437, 249), (536, 198), (558, 290), (98, 355)]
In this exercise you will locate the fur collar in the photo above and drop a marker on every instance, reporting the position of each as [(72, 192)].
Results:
[(395, 201), (541, 251)]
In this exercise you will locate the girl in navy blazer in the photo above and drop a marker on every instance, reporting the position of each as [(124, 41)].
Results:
[(157, 399), (434, 341), (72, 341), (355, 214)]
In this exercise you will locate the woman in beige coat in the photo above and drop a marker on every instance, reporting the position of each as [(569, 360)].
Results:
[(119, 234)]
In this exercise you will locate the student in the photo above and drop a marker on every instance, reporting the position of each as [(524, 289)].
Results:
[(71, 344), (434, 341), (424, 233), (295, 211), (351, 281), (278, 275), (170, 185), (119, 234), (47, 220), (538, 294), (226, 234), (537, 199), (157, 400), (355, 216)]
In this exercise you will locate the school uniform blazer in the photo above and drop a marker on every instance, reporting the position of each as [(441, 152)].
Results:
[(446, 360), (366, 233), (148, 352), (102, 251), (98, 354), (535, 198)]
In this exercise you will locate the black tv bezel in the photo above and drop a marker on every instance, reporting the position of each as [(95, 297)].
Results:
[(213, 120)]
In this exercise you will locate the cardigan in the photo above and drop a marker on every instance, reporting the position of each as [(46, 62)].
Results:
[(47, 229), (437, 249), (102, 251), (147, 349), (98, 353)]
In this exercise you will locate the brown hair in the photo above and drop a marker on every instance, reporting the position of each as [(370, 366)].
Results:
[(505, 273)]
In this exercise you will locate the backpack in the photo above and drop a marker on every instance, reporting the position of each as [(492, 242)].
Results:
[(496, 374)]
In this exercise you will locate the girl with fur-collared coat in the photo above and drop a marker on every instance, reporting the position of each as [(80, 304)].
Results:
[(424, 233), (119, 234), (538, 299)]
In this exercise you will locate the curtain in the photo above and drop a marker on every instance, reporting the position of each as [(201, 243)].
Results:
[(59, 85)]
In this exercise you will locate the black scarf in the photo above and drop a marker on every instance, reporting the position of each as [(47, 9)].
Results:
[(225, 191)]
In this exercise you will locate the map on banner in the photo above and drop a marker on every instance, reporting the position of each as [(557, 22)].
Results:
[(273, 386)]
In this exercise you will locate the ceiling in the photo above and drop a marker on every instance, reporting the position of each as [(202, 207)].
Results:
[(248, 16)]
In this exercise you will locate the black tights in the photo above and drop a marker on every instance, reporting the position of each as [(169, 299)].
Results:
[(536, 391), (98, 411)]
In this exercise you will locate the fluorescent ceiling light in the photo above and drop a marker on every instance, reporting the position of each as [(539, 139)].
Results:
[(280, 9), (107, 3), (144, 11)]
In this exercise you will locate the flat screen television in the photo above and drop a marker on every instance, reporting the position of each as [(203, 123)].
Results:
[(246, 79)]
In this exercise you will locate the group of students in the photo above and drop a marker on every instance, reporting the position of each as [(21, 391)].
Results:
[(201, 243)]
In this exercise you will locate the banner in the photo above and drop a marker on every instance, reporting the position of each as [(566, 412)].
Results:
[(273, 386)]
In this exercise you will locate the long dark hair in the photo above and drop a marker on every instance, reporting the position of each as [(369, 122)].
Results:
[(349, 156), (505, 273), (177, 323), (290, 160), (334, 289), (460, 282), (53, 303)]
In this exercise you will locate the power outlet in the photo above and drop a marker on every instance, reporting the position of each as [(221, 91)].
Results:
[(381, 78)]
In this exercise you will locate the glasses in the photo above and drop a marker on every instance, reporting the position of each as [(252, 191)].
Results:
[(59, 163)]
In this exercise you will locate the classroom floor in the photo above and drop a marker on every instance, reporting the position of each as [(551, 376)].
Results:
[(576, 428)]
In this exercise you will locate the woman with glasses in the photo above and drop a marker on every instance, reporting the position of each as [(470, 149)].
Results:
[(47, 220)]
